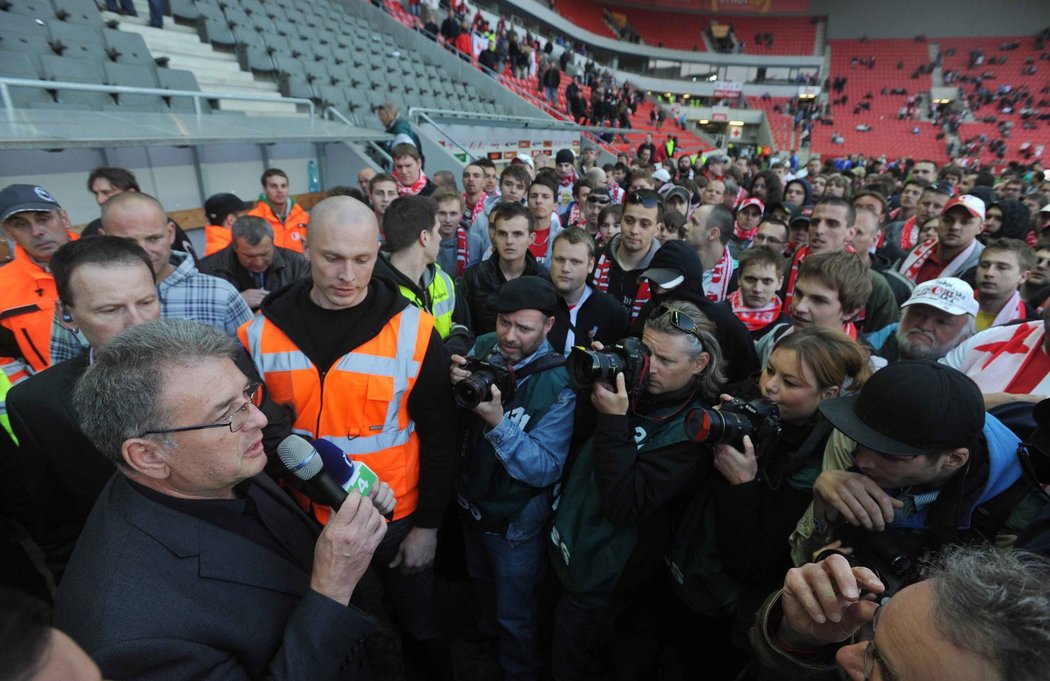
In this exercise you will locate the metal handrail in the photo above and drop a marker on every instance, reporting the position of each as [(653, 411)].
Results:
[(197, 96)]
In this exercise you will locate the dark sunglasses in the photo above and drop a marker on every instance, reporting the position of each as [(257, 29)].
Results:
[(599, 199), (680, 321), (635, 198)]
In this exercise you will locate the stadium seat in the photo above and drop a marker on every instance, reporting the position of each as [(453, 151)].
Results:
[(19, 65), (178, 79), (135, 75), (81, 12), (77, 71)]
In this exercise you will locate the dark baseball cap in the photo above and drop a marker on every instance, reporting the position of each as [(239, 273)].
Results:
[(25, 198), (911, 408), (218, 206), (526, 293), (672, 263)]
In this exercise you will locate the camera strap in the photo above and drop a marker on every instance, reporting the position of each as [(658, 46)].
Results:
[(544, 363)]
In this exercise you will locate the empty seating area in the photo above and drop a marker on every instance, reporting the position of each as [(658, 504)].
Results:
[(879, 76), (779, 122), (586, 14), (1008, 97), (684, 31), (67, 42), (673, 30)]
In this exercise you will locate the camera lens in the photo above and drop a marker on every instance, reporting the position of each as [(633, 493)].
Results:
[(709, 425), (472, 390)]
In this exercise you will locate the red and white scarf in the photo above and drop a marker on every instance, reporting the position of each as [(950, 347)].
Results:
[(759, 318), (716, 284), (910, 234), (478, 206), (918, 257), (600, 282), (744, 235), (415, 188), (616, 192), (1013, 310), (575, 219), (1000, 354), (462, 251), (800, 255), (570, 180)]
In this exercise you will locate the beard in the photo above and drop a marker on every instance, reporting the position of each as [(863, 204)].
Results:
[(909, 349)]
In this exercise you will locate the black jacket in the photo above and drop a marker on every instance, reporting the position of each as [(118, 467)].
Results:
[(482, 280), (287, 266), (600, 318), (65, 472)]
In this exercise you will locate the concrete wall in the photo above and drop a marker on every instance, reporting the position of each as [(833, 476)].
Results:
[(934, 18)]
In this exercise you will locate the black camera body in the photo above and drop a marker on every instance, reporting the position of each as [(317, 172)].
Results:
[(629, 356), (477, 388), (759, 418)]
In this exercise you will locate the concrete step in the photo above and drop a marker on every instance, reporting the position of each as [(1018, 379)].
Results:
[(216, 71)]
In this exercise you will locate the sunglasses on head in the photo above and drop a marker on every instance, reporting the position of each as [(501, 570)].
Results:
[(635, 198), (680, 321)]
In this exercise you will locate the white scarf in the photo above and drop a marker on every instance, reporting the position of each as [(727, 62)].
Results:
[(716, 280), (915, 260)]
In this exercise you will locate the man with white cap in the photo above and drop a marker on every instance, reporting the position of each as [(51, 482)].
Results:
[(34, 220), (956, 251), (940, 314)]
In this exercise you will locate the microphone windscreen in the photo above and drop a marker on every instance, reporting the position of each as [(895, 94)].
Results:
[(299, 457)]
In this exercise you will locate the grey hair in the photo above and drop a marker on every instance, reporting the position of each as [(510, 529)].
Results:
[(252, 229), (713, 376), (120, 396), (995, 603)]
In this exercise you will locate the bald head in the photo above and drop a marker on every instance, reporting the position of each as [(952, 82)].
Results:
[(130, 202), (140, 218), (342, 245)]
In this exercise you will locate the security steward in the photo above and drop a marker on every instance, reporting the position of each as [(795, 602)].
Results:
[(514, 451), (34, 220), (409, 257), (362, 368)]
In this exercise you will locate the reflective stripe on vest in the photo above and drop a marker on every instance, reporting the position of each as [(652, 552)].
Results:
[(442, 294), (361, 406)]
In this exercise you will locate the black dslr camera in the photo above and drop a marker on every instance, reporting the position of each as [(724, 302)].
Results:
[(759, 418), (629, 357), (477, 388)]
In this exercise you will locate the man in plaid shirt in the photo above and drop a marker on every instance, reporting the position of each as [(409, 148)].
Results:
[(184, 292)]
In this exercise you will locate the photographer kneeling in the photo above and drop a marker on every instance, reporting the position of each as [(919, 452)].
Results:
[(766, 480), (513, 452), (612, 517)]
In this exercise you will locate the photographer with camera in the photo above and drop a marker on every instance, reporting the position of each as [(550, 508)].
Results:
[(612, 517), (926, 467), (513, 452), (768, 452)]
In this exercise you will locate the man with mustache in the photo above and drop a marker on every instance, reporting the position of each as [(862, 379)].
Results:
[(940, 314)]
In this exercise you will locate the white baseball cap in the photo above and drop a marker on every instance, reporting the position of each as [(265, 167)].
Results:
[(971, 203), (949, 294)]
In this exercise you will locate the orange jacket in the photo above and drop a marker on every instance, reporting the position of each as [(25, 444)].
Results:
[(362, 404), (288, 234), (216, 238), (27, 307)]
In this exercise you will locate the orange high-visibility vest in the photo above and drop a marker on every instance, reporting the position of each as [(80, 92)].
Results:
[(288, 234), (362, 404), (216, 238), (27, 307)]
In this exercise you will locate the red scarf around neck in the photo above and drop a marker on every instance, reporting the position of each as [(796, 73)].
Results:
[(415, 188), (744, 235), (717, 287), (755, 319)]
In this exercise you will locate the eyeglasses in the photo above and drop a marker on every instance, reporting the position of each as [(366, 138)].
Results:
[(762, 239), (598, 199), (252, 396), (872, 657), (680, 321), (634, 198)]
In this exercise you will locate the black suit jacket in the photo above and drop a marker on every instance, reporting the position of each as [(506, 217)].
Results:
[(153, 592), (64, 471)]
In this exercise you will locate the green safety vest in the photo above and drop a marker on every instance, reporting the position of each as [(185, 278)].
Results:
[(439, 299), (589, 552), (486, 493), (5, 420)]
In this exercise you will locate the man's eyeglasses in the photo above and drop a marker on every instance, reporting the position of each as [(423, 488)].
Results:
[(252, 396), (599, 199), (649, 201), (762, 240), (680, 321), (872, 657)]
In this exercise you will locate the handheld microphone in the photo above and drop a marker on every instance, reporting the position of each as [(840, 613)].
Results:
[(303, 460)]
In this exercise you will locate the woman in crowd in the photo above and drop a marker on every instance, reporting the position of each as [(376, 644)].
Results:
[(766, 480), (766, 187)]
